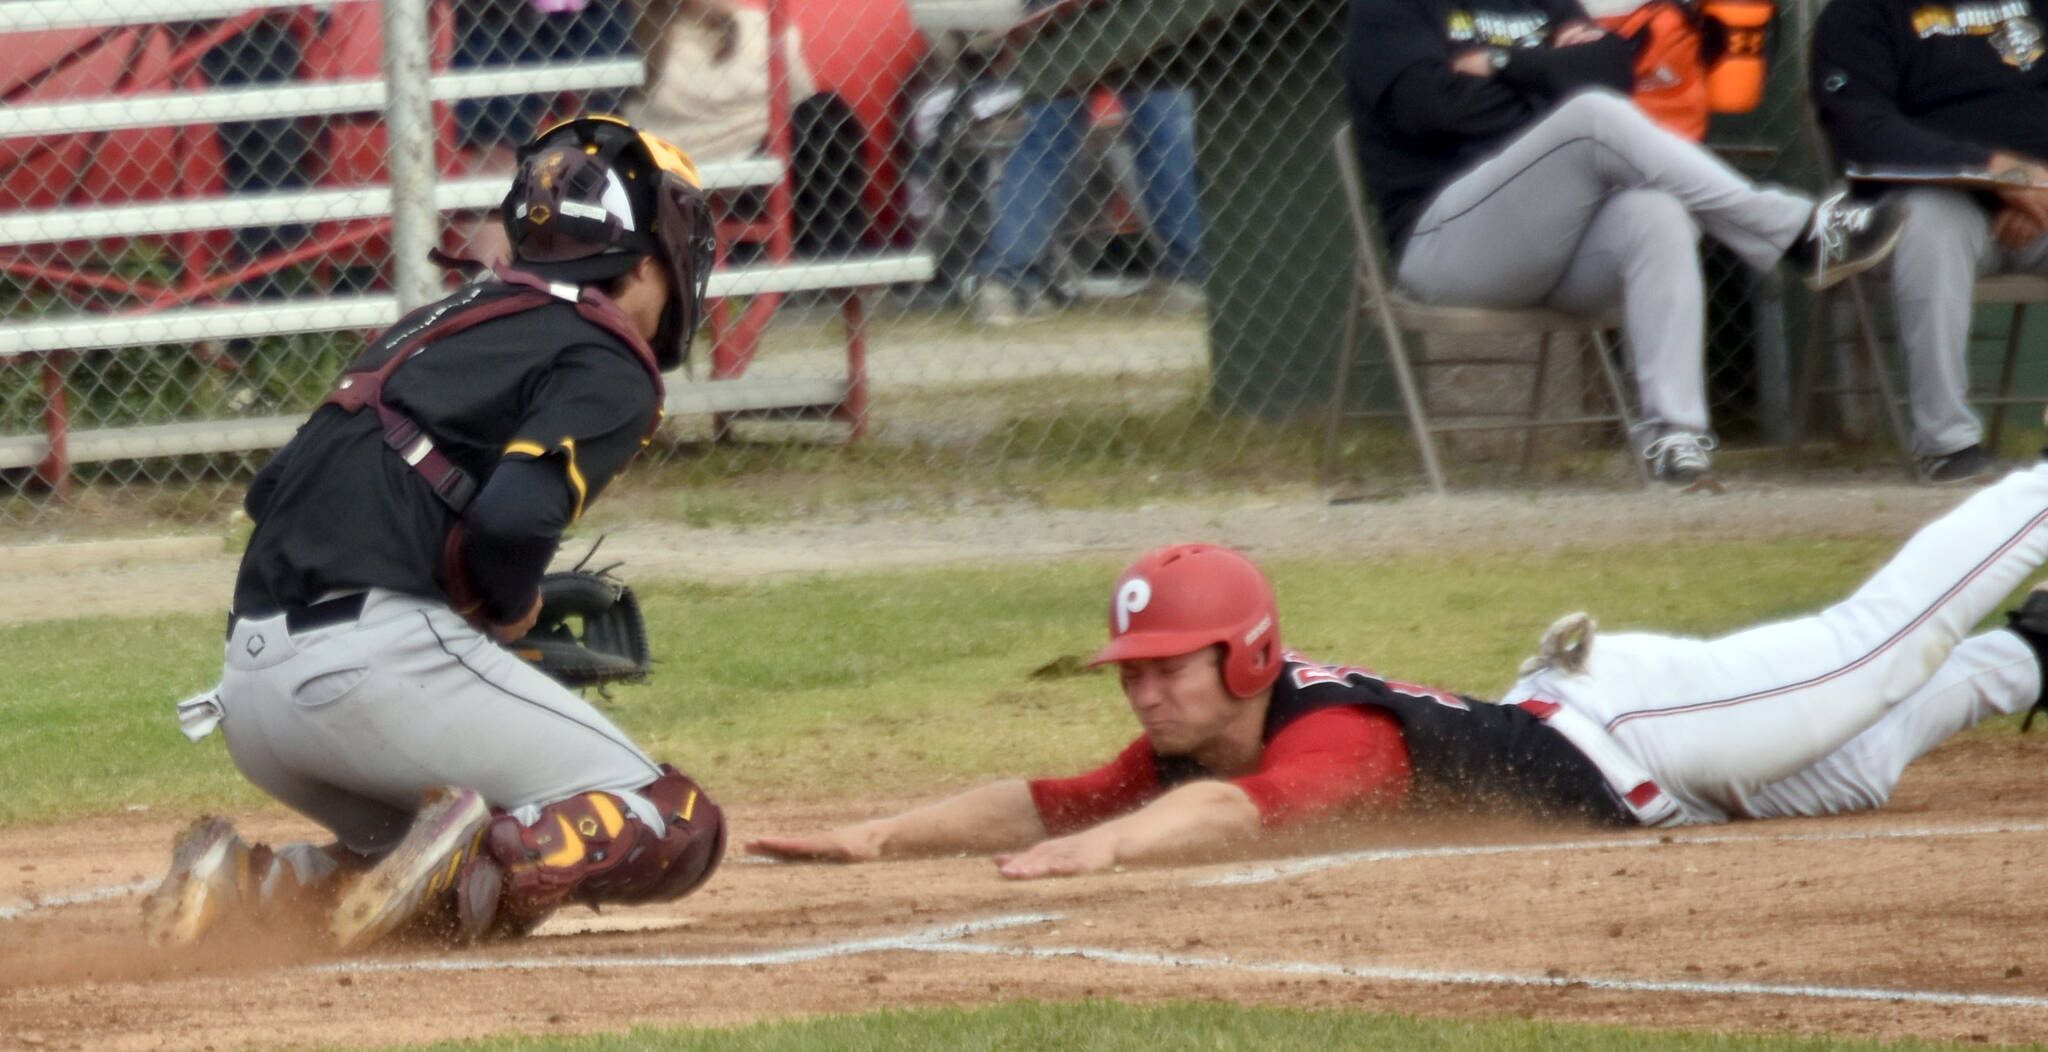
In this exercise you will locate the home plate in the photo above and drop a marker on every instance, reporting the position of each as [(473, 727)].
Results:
[(623, 920)]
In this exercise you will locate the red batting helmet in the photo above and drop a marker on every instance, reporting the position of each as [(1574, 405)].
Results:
[(593, 196), (1179, 599)]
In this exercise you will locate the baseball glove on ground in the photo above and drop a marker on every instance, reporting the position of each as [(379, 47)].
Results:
[(589, 633)]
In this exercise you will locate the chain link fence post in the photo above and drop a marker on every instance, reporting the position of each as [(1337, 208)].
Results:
[(408, 117)]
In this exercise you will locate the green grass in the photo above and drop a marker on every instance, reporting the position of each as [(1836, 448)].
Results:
[(868, 685), (902, 682), (1192, 1026), (1108, 444)]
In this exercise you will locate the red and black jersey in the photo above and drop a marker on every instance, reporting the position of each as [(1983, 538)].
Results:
[(1339, 737)]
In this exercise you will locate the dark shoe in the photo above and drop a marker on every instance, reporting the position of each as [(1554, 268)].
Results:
[(1845, 238), (2030, 622), (418, 874), (1680, 458), (1968, 464)]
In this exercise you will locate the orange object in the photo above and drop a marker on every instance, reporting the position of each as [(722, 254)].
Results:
[(1735, 82), (1670, 76)]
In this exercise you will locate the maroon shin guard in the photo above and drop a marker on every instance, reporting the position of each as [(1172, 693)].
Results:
[(590, 848)]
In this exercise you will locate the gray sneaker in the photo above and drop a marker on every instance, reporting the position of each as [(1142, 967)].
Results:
[(420, 871), (1680, 457), (1845, 238), (209, 878)]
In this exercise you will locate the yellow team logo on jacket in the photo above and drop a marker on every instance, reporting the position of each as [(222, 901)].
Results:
[(2009, 26), (1495, 29)]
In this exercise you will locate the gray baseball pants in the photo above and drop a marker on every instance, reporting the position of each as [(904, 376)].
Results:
[(1947, 246), (1595, 204), (350, 724)]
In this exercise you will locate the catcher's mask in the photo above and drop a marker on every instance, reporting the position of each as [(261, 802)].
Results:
[(593, 195), (1180, 599)]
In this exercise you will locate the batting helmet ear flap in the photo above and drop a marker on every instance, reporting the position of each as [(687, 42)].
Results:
[(1179, 599), (1248, 670)]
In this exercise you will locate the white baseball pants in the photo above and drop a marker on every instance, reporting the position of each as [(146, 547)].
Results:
[(1821, 713)]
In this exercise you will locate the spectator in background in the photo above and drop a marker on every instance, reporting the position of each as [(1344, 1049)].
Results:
[(706, 89), (1510, 171), (1936, 90), (1036, 186), (707, 76)]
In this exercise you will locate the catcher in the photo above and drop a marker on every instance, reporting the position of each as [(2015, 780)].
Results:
[(1811, 716), (400, 545)]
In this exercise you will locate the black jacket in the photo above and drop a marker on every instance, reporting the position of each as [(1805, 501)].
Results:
[(1908, 83), (1420, 125)]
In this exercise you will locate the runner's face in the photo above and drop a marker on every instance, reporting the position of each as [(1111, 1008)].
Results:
[(1179, 701)]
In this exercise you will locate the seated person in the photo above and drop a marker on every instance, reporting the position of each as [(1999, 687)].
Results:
[(1037, 186), (1510, 171), (1240, 736), (707, 87), (1917, 89)]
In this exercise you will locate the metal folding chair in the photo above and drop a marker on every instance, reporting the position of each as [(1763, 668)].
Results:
[(1375, 295), (2014, 290)]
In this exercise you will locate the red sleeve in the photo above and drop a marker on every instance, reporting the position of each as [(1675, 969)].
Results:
[(1328, 760), (1120, 786)]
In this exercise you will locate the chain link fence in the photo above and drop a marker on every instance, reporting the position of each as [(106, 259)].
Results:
[(1137, 281)]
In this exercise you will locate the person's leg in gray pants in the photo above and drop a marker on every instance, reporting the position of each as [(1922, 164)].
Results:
[(1599, 204), (1947, 246)]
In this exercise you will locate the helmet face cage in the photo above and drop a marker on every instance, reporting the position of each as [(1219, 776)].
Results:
[(672, 219), (1180, 599), (689, 240)]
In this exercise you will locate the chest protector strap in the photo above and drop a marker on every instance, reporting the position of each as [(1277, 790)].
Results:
[(364, 388)]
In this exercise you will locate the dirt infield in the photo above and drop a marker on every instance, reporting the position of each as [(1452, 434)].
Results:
[(1920, 920)]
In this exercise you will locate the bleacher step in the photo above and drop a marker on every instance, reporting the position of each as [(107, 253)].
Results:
[(375, 311)]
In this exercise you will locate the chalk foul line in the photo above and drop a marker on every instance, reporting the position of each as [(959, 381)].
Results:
[(22, 909), (1296, 867), (794, 955), (1504, 979)]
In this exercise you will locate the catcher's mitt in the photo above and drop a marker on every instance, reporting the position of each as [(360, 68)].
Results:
[(612, 644)]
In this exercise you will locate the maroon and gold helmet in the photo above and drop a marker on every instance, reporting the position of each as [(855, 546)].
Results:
[(593, 195)]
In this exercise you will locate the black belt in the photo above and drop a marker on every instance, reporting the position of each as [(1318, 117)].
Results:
[(339, 610)]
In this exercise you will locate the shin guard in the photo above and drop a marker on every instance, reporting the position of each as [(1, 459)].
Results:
[(591, 848)]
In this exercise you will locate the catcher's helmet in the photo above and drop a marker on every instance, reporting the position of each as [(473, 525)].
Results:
[(1179, 599), (593, 195)]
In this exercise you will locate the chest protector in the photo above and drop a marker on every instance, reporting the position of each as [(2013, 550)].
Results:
[(514, 292)]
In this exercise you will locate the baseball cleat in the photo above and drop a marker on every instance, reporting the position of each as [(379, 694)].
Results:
[(423, 867), (209, 877)]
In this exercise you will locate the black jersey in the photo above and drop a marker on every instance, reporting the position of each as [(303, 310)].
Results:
[(337, 509), (1419, 124), (1462, 751), (1915, 84)]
